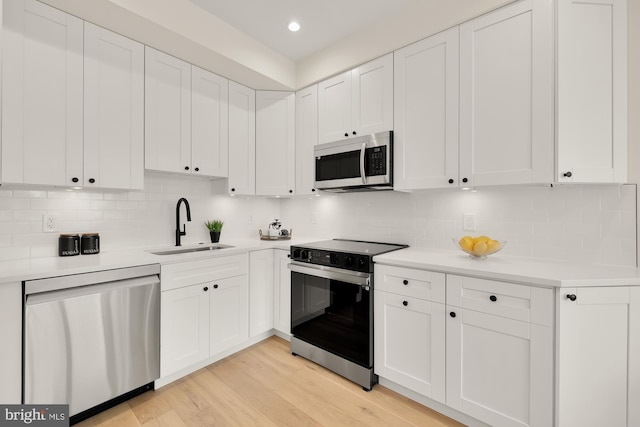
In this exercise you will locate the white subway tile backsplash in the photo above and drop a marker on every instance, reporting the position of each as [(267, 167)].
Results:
[(595, 224)]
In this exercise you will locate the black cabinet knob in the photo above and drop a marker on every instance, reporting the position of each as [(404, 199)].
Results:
[(493, 298), (567, 174), (74, 179), (206, 288), (405, 303), (233, 189), (354, 132), (288, 255), (346, 134), (572, 297), (186, 168), (197, 169), (215, 286), (290, 191), (450, 181), (452, 314), (313, 189), (405, 282), (92, 181), (465, 180)]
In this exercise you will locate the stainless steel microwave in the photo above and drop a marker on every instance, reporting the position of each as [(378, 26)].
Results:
[(359, 164)]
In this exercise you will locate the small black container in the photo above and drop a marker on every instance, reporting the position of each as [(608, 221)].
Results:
[(90, 243), (69, 245)]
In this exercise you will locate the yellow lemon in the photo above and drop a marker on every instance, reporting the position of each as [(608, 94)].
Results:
[(480, 248), (493, 245), (484, 239), (466, 243)]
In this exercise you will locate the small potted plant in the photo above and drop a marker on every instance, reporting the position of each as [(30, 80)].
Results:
[(215, 227)]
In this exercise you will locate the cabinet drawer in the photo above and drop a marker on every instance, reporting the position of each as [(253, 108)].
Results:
[(188, 273), (525, 303), (421, 284)]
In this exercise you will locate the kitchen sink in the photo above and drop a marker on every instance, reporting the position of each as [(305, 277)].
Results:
[(189, 250)]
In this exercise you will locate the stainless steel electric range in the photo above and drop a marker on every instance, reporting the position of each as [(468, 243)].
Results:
[(332, 305)]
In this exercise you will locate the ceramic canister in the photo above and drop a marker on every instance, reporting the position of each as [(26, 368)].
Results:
[(68, 245), (90, 243)]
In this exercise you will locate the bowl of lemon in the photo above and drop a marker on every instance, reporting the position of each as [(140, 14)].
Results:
[(480, 246)]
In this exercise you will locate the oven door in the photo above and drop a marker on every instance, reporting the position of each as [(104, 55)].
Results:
[(333, 309)]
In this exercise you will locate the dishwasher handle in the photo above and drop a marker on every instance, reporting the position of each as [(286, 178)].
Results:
[(62, 294)]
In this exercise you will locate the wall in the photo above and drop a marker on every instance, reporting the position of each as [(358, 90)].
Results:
[(127, 219), (592, 224)]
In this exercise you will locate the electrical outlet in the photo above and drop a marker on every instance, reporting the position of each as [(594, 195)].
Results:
[(49, 223), (469, 222)]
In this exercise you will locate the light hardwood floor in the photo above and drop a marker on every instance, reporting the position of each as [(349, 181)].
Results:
[(265, 385)]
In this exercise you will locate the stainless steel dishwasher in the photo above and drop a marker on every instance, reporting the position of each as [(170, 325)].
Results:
[(91, 338)]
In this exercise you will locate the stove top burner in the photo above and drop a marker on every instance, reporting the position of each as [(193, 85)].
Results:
[(352, 255)]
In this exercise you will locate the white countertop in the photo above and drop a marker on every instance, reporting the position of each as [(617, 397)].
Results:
[(495, 267), (513, 269), (38, 268)]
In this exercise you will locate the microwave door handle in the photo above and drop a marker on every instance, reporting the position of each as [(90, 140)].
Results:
[(362, 171)]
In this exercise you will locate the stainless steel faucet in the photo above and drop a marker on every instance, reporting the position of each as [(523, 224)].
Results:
[(184, 227)]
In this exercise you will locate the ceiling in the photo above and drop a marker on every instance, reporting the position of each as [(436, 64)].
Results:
[(323, 22)]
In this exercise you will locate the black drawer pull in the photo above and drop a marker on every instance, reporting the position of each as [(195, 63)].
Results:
[(452, 314), (405, 303), (206, 288), (405, 282), (493, 298), (215, 286), (572, 297)]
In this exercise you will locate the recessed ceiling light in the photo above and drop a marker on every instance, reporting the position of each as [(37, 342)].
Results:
[(294, 26)]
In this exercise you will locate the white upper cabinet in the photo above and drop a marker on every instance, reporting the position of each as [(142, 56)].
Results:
[(357, 102), (592, 91), (275, 143), (306, 139), (426, 113), (242, 139), (114, 110), (507, 96), (187, 116), (209, 123), (167, 112), (42, 91)]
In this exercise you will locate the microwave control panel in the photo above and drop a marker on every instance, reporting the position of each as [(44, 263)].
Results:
[(376, 161)]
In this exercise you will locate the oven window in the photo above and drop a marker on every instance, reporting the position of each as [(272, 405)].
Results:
[(333, 315), (338, 166)]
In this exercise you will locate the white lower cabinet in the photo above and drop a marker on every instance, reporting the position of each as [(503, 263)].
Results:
[(598, 357), (11, 338), (261, 291), (282, 292), (204, 310), (410, 343)]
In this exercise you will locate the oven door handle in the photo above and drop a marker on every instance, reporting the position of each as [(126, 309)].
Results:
[(363, 151), (353, 277)]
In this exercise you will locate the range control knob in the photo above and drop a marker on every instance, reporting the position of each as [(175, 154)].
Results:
[(304, 255), (350, 260), (362, 262), (296, 253)]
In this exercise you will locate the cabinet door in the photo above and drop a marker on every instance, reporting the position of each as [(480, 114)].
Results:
[(282, 292), (114, 110), (426, 113), (410, 343), (209, 123), (593, 390), (499, 370), (275, 143), (260, 291), (592, 91), (306, 139), (507, 95), (242, 139), (167, 112), (372, 96), (11, 338), (229, 313), (42, 87), (334, 108), (184, 336)]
